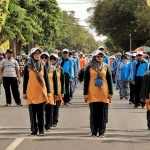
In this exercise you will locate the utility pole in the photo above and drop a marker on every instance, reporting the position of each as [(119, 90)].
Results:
[(130, 42)]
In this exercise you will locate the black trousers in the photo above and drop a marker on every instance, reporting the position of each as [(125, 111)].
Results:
[(13, 83), (98, 117), (67, 87), (56, 112), (148, 119), (49, 116), (132, 93), (138, 85), (36, 112), (81, 75)]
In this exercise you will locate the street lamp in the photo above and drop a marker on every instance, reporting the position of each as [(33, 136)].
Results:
[(130, 42)]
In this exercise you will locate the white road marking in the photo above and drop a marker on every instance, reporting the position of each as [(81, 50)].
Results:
[(14, 145)]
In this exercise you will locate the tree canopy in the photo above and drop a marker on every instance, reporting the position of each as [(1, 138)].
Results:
[(117, 19), (42, 22)]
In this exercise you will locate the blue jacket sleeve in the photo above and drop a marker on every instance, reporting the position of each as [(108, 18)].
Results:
[(128, 72), (106, 60), (71, 70)]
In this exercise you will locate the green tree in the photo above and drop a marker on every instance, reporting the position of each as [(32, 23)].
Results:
[(74, 35), (120, 18)]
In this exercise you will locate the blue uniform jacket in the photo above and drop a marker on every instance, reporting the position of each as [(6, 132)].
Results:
[(106, 60), (122, 71), (68, 67), (139, 68), (115, 64)]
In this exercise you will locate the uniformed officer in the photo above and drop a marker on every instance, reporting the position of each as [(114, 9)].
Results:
[(9, 73)]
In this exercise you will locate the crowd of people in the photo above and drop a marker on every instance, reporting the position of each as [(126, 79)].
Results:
[(50, 80)]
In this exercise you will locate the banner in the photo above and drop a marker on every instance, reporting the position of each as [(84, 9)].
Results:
[(5, 3), (148, 2), (4, 46)]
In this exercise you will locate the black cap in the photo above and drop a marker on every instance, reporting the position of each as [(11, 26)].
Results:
[(10, 51)]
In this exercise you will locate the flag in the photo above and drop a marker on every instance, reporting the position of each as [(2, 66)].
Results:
[(4, 46), (2, 14), (148, 2)]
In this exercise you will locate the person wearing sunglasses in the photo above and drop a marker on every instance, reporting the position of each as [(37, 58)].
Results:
[(36, 90), (60, 85), (75, 70), (98, 91), (106, 58), (10, 76), (67, 66), (114, 68), (52, 75), (123, 78), (77, 62), (139, 68), (133, 61)]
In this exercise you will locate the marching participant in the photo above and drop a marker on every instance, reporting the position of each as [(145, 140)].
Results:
[(61, 87), (98, 91), (53, 84), (123, 78), (36, 90), (67, 66), (10, 76), (139, 69)]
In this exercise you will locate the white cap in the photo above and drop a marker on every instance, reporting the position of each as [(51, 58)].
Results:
[(96, 52), (65, 50), (134, 55), (55, 55), (33, 50), (139, 53), (102, 47), (45, 53), (112, 57), (83, 56), (56, 50), (119, 54)]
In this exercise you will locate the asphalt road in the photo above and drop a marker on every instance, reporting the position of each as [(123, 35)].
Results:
[(126, 129)]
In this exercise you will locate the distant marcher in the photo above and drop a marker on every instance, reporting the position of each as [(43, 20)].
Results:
[(114, 68), (61, 87), (123, 78), (98, 91), (9, 70), (67, 66), (36, 90), (132, 86), (106, 58), (49, 110), (82, 67), (139, 69)]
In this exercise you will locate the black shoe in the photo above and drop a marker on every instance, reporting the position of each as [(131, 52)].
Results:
[(101, 136), (8, 105), (55, 125), (41, 133), (34, 133), (19, 104)]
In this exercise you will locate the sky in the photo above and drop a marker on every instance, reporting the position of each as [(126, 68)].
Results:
[(80, 7)]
